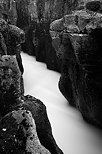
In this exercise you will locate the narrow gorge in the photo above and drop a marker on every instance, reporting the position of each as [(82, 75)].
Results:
[(50, 76)]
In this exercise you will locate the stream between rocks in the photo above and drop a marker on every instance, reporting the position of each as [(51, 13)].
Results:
[(72, 134)]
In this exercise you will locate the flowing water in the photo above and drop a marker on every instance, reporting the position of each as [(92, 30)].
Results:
[(71, 133)]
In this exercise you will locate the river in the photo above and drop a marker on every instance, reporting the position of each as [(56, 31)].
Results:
[(71, 132)]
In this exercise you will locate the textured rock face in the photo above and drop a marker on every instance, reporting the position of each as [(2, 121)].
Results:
[(80, 80), (8, 11), (43, 127), (77, 38), (34, 17), (11, 39), (10, 78), (18, 134), (94, 5), (88, 85)]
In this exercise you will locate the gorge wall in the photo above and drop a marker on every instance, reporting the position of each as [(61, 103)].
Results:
[(66, 35)]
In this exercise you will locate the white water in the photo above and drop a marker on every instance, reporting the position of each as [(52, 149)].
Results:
[(71, 133)]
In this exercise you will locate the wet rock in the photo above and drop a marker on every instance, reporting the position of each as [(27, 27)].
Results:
[(18, 134)]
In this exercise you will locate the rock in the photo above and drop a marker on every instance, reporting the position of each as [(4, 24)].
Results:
[(93, 5), (3, 48), (52, 60), (57, 25), (67, 71), (80, 55), (40, 14), (13, 13), (18, 134), (13, 37), (59, 48), (43, 126), (10, 83), (11, 99), (80, 81), (8, 11)]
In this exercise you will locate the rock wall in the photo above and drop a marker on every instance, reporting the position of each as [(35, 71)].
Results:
[(24, 125), (77, 38), (68, 41), (34, 17)]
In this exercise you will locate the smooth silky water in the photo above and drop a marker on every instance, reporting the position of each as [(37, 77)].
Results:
[(71, 132)]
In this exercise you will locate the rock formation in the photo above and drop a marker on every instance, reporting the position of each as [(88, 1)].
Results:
[(18, 134), (79, 44), (66, 35), (34, 17), (11, 100)]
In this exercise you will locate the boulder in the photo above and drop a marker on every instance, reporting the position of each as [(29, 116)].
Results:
[(18, 134)]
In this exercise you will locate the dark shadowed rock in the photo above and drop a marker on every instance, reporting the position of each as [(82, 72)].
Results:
[(68, 64), (80, 80), (41, 13), (18, 134)]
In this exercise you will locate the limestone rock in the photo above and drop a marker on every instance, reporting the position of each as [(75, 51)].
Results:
[(18, 134)]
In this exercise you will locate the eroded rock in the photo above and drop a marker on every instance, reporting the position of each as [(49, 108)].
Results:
[(80, 81), (11, 86), (18, 134), (11, 99)]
